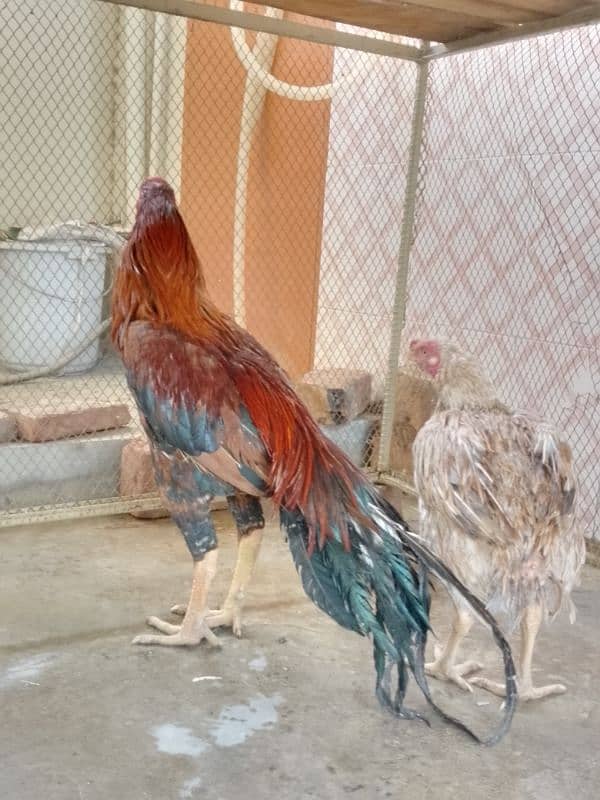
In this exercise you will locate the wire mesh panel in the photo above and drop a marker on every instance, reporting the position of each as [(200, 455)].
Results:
[(288, 159), (507, 238)]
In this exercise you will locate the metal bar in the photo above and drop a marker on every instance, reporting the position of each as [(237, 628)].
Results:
[(96, 509), (397, 481), (406, 241), (99, 508), (575, 19), (284, 27)]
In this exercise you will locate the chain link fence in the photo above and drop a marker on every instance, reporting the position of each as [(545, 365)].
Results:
[(507, 244), (290, 160), (292, 193)]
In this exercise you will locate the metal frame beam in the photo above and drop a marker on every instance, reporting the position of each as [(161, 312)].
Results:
[(585, 16), (90, 508), (397, 481), (368, 44), (258, 22)]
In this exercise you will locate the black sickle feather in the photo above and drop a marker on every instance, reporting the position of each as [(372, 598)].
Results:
[(380, 588)]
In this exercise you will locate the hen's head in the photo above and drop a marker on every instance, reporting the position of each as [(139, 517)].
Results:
[(427, 355), (461, 381)]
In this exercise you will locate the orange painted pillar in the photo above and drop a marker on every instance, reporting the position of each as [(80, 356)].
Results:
[(285, 189)]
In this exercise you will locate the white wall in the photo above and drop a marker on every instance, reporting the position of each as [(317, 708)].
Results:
[(92, 103), (56, 110)]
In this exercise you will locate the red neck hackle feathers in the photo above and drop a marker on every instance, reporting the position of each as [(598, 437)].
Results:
[(160, 277)]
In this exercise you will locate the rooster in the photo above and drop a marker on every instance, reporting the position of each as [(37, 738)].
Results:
[(222, 419), (496, 501)]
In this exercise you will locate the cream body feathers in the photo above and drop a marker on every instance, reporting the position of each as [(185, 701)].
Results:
[(497, 492)]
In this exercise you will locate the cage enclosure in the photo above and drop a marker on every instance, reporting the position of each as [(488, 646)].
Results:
[(433, 174)]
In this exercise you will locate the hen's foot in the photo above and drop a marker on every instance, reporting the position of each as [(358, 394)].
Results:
[(525, 693), (454, 673), (178, 635)]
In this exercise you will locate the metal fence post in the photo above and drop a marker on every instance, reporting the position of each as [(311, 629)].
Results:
[(406, 241)]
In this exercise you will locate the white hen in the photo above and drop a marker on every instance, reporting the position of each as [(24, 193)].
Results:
[(496, 501)]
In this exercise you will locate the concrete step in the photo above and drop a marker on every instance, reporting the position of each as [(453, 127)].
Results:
[(63, 471), (89, 467)]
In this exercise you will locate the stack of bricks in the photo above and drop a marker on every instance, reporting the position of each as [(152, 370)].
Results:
[(40, 426), (337, 399), (58, 451), (414, 404)]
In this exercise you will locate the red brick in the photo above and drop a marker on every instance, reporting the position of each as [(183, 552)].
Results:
[(137, 477), (137, 473), (41, 426), (335, 395)]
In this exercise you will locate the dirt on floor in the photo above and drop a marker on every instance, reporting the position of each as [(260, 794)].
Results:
[(286, 712)]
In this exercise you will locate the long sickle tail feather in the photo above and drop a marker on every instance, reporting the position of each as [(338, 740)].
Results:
[(428, 562), (380, 588)]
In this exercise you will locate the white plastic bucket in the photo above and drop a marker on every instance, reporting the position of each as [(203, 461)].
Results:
[(50, 302)]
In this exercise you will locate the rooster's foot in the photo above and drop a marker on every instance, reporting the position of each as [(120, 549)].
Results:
[(227, 617), (178, 635)]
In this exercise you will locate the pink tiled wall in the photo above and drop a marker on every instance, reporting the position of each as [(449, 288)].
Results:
[(507, 250), (506, 260), (368, 144)]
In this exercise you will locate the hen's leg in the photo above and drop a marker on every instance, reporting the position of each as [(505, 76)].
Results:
[(530, 625), (194, 627), (444, 667), (248, 516)]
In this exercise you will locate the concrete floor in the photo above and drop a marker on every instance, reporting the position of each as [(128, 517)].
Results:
[(288, 711)]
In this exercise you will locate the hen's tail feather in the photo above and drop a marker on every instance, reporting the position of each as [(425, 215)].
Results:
[(380, 588)]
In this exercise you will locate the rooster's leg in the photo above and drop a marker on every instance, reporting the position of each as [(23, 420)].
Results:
[(247, 513), (230, 615), (194, 627), (444, 667), (530, 625)]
